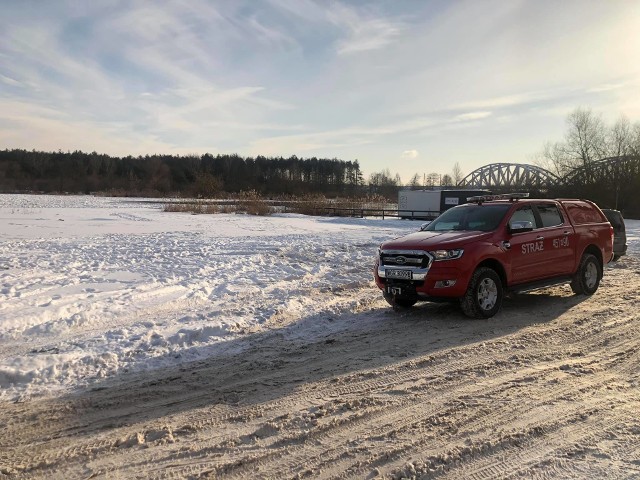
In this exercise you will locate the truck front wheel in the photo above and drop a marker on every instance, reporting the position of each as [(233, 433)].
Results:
[(483, 297), (587, 278)]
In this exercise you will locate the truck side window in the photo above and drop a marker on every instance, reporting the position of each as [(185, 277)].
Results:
[(524, 214), (550, 215)]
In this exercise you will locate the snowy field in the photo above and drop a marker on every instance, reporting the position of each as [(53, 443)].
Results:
[(91, 286), (141, 344)]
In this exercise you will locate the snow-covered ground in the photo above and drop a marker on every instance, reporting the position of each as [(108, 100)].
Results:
[(141, 344), (90, 286)]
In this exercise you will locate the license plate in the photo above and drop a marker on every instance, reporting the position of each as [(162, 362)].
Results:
[(403, 274)]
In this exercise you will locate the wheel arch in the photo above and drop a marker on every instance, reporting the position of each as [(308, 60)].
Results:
[(497, 267), (596, 252)]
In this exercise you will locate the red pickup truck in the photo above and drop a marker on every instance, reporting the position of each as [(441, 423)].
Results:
[(477, 251)]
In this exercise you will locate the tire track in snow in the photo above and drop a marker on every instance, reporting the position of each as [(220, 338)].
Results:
[(374, 384)]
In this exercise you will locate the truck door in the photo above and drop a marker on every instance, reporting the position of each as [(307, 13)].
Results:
[(558, 238), (526, 250)]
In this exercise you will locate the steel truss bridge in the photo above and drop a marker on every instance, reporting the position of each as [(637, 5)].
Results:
[(607, 171)]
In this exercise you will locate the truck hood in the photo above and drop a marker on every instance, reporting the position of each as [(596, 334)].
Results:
[(435, 240)]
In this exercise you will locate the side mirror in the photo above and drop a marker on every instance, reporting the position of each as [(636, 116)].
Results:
[(424, 225), (520, 226)]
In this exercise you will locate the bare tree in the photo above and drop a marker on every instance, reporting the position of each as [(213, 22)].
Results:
[(415, 181), (447, 181), (433, 179), (584, 142), (620, 138), (586, 137), (635, 140), (587, 140), (552, 158), (384, 179), (457, 174)]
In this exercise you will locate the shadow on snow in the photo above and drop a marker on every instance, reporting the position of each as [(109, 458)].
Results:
[(273, 363)]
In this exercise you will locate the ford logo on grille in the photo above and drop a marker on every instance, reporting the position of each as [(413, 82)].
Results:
[(401, 260)]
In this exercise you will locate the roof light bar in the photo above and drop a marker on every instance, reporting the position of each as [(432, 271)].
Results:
[(488, 198)]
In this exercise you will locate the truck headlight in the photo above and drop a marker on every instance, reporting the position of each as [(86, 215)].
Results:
[(447, 254)]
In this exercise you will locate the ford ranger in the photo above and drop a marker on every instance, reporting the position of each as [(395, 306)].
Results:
[(475, 253)]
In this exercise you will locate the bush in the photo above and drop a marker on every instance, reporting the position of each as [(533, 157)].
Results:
[(314, 204), (252, 203), (309, 204), (193, 207)]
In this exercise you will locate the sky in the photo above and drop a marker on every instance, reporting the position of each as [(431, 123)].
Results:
[(412, 86)]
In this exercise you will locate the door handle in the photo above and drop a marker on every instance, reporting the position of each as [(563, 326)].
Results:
[(566, 234), (540, 237)]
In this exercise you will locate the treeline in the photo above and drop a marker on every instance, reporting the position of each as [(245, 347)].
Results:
[(190, 175)]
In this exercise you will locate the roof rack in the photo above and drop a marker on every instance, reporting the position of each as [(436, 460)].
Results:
[(488, 198)]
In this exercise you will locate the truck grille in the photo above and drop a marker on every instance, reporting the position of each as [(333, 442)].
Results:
[(405, 258)]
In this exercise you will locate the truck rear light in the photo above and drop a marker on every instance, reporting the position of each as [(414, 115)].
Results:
[(612, 236)]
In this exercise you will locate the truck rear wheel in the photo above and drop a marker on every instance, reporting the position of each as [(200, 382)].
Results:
[(483, 297), (398, 301), (587, 278)]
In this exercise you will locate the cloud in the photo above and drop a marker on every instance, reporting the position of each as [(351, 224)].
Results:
[(363, 29), (269, 35), (606, 87), (358, 29), (371, 80), (467, 117), (368, 35), (337, 138), (306, 10), (145, 76), (358, 135), (27, 125), (505, 101), (10, 81)]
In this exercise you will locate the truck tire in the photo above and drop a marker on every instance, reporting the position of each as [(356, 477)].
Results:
[(401, 302), (483, 297), (587, 278)]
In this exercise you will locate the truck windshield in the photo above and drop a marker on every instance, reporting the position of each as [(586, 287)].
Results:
[(470, 217)]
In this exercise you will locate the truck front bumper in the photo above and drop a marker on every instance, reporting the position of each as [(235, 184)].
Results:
[(441, 279)]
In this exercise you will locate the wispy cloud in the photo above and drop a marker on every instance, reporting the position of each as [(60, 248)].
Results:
[(148, 74), (359, 29), (306, 10), (269, 35), (371, 35), (10, 81), (31, 126), (354, 79), (410, 154), (364, 31), (470, 116), (606, 87), (356, 135), (505, 101)]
